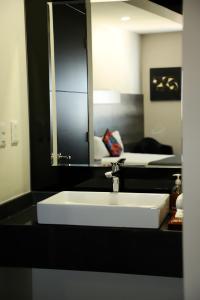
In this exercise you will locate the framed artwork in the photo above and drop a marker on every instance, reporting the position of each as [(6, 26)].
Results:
[(165, 84)]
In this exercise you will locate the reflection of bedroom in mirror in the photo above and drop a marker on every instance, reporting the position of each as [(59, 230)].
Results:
[(128, 39)]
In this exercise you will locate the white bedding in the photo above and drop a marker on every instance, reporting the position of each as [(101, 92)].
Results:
[(134, 158)]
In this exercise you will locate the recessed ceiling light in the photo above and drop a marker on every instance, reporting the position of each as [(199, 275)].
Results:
[(125, 18)]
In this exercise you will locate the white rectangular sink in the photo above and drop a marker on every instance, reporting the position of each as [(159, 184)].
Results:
[(140, 210)]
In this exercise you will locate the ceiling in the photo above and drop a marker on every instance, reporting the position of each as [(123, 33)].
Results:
[(140, 20)]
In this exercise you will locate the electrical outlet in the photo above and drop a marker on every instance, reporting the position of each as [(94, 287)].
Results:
[(2, 134), (14, 133)]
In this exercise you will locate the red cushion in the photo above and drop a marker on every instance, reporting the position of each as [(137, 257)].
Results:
[(112, 144)]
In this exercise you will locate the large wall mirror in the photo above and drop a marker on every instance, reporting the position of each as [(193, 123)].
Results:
[(116, 87)]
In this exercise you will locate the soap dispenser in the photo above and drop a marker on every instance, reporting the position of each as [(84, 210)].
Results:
[(176, 191)]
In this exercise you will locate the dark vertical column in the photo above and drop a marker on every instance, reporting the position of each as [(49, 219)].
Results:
[(70, 48), (72, 124), (71, 81)]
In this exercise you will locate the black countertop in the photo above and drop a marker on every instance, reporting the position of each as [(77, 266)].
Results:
[(25, 243), (131, 185)]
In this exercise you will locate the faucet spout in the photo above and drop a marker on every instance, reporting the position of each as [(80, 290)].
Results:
[(112, 174), (115, 184)]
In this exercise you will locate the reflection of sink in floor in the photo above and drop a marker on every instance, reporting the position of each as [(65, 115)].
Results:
[(104, 209)]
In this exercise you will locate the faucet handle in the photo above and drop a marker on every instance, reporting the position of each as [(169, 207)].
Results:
[(116, 165), (108, 174), (64, 159), (121, 161)]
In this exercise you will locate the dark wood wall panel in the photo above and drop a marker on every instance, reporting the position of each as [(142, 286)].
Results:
[(72, 124), (69, 25), (43, 175), (70, 48)]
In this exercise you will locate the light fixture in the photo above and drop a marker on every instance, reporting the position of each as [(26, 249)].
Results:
[(125, 18)]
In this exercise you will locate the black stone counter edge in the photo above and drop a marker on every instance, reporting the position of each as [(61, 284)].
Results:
[(11, 207), (100, 249)]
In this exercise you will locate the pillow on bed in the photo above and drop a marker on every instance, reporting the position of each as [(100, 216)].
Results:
[(117, 135), (112, 144), (100, 149)]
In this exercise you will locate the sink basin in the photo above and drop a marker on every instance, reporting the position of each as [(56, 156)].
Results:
[(139, 210)]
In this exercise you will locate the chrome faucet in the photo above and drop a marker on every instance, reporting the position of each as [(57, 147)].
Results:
[(114, 172)]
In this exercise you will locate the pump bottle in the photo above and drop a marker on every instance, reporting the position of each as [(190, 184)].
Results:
[(176, 191)]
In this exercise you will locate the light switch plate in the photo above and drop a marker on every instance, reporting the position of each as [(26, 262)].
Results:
[(2, 134), (14, 133)]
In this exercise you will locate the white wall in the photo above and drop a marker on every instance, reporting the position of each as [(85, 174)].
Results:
[(162, 120), (14, 160), (76, 285), (191, 148), (116, 59)]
